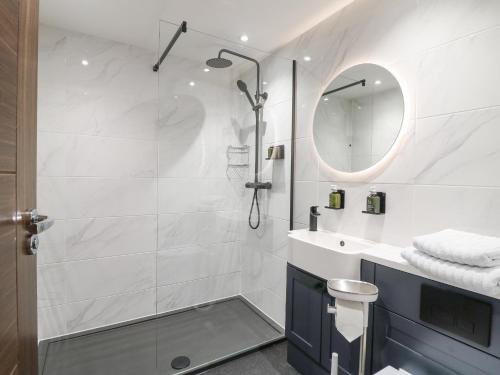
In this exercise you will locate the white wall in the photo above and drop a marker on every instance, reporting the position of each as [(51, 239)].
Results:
[(132, 164), (264, 250), (199, 227), (93, 119), (97, 176), (444, 54)]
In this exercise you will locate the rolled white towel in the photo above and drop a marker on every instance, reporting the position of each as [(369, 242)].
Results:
[(479, 279), (461, 247)]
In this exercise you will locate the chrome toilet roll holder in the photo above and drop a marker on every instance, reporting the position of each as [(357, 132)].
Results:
[(354, 291)]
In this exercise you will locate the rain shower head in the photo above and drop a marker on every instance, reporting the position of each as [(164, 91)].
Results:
[(219, 63)]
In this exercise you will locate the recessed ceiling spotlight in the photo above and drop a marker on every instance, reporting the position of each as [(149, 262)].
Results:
[(192, 83), (325, 99), (244, 38), (307, 58), (264, 83), (206, 70), (85, 62), (377, 82)]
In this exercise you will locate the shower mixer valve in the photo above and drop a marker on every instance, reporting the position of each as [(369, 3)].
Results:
[(259, 185)]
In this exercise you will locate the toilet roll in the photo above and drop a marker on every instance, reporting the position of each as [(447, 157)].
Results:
[(349, 319)]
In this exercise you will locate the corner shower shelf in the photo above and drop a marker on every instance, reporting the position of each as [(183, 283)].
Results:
[(237, 161)]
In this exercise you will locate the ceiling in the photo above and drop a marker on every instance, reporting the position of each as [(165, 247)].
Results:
[(268, 23)]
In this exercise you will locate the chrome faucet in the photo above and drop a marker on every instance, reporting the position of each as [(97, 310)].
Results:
[(313, 218)]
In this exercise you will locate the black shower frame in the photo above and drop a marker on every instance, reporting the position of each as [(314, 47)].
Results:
[(182, 29)]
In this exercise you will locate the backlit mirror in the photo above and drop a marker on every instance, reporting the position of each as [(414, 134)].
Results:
[(358, 118)]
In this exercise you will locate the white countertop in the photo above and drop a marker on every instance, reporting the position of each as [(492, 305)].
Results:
[(390, 256)]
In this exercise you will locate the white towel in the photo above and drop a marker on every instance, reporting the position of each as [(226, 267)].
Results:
[(461, 247), (479, 279)]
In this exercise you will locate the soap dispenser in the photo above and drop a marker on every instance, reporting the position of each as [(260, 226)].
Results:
[(335, 198), (373, 202)]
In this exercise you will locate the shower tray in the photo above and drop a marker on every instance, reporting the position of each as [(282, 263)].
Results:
[(207, 335)]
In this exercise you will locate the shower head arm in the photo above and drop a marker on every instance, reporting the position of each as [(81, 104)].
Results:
[(249, 59)]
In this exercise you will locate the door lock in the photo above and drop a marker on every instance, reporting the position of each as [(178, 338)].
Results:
[(33, 244)]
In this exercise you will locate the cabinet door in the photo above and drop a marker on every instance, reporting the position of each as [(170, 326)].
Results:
[(405, 344), (303, 311), (333, 342)]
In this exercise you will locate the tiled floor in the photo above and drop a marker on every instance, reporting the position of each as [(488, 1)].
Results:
[(203, 334), (268, 361)]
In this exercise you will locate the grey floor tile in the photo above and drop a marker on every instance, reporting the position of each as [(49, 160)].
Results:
[(268, 361)]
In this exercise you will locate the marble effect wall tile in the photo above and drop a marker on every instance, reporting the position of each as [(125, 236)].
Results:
[(178, 230), (88, 279), (464, 68), (88, 156), (177, 296), (100, 312), (104, 237), (71, 198), (52, 322), (458, 149)]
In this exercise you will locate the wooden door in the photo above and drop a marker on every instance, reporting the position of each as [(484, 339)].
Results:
[(18, 66)]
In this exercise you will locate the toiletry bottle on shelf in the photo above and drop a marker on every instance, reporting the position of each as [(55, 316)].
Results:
[(270, 152), (335, 198), (373, 201)]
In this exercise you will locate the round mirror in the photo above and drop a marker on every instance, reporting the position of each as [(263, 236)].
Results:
[(358, 118)]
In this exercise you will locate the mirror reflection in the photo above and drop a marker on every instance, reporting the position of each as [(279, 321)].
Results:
[(358, 118)]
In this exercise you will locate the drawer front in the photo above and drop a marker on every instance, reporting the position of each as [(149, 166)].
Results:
[(400, 292), (303, 311), (405, 344)]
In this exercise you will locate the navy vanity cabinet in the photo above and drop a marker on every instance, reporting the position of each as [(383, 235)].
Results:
[(419, 350), (304, 301), (403, 340), (310, 330)]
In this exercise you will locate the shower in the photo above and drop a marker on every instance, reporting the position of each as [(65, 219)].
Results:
[(257, 106)]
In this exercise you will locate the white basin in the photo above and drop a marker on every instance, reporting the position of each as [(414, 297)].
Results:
[(326, 254)]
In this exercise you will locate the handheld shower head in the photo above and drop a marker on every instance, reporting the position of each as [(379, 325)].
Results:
[(244, 88), (242, 85)]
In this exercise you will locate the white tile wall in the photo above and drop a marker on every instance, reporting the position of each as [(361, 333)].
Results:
[(444, 55), (132, 165), (442, 59), (97, 175)]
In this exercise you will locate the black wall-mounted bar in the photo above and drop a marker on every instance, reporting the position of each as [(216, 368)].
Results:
[(362, 83), (182, 29), (292, 153)]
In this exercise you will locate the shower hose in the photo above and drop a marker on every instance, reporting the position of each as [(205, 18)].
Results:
[(255, 202)]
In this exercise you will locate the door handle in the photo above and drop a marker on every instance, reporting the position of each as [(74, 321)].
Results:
[(35, 224), (39, 223)]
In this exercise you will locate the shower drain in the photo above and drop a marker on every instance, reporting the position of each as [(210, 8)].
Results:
[(178, 363)]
